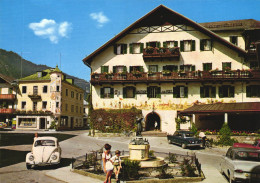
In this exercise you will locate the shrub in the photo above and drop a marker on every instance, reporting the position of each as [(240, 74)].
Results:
[(163, 172), (225, 136), (187, 169), (53, 125), (151, 154), (171, 158), (130, 169), (194, 129)]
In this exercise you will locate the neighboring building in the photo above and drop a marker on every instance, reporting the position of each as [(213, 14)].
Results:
[(165, 62), (7, 99), (48, 96)]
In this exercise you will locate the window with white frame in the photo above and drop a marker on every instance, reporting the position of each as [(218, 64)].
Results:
[(206, 44), (120, 49)]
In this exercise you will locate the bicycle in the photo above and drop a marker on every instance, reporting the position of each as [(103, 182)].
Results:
[(208, 143)]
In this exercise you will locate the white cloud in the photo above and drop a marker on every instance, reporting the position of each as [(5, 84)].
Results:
[(50, 29), (100, 18)]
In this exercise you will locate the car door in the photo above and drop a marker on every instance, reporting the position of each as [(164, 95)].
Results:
[(230, 164), (224, 164)]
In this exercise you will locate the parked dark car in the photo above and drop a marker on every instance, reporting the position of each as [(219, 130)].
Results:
[(184, 139)]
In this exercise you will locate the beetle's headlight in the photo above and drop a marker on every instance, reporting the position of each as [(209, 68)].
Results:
[(31, 157), (54, 157)]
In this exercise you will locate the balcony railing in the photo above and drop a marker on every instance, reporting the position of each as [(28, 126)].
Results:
[(176, 76), (161, 52), (34, 96), (7, 111), (7, 96)]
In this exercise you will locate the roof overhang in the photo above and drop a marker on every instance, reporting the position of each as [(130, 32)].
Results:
[(162, 10)]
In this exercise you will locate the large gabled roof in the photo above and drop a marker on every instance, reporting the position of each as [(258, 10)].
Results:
[(7, 78), (161, 16)]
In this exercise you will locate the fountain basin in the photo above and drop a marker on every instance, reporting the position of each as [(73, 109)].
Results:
[(139, 152)]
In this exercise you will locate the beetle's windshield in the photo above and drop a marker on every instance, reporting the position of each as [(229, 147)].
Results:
[(189, 134), (247, 156), (44, 143)]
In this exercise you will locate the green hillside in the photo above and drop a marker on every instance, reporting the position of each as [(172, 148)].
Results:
[(10, 65)]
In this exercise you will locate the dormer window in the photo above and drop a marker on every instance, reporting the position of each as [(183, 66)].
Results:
[(233, 39), (120, 49), (39, 74)]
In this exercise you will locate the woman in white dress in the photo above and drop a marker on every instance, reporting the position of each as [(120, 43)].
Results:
[(107, 165)]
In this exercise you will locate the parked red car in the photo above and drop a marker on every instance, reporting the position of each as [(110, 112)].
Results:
[(256, 145)]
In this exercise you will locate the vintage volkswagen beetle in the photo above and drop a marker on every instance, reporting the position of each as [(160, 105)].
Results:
[(184, 139), (45, 151)]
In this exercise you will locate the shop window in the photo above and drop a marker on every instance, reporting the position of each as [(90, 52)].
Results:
[(226, 91), (206, 44), (154, 92), (207, 92), (129, 92), (136, 47), (120, 49), (253, 91), (207, 66), (180, 92), (187, 45), (107, 92)]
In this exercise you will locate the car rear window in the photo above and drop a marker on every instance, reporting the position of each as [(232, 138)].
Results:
[(44, 143), (247, 156)]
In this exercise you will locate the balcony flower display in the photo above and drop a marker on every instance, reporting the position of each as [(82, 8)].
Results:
[(166, 72), (149, 50)]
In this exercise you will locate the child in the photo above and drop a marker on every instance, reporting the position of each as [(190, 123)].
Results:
[(117, 163)]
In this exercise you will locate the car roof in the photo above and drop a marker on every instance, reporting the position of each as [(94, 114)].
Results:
[(244, 149), (183, 131), (46, 138)]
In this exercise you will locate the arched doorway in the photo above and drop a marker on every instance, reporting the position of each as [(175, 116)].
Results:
[(151, 118)]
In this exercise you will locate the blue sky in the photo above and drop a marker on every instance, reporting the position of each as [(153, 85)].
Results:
[(44, 29)]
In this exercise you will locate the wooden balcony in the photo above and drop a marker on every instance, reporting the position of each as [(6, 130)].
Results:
[(35, 96), (161, 53), (7, 111), (190, 76), (7, 97)]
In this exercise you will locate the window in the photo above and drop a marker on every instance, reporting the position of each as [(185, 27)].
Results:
[(24, 89), (187, 45), (80, 97), (207, 92), (72, 108), (233, 39), (226, 66), (226, 91), (34, 106), (45, 89), (23, 105), (104, 69), (57, 104), (207, 66), (35, 90), (136, 47), (172, 68), (254, 65), (77, 96), (107, 92), (67, 92), (206, 44), (154, 92), (119, 69), (154, 44), (10, 91), (180, 92), (170, 44), (153, 68), (57, 88), (39, 74), (66, 107), (253, 91), (136, 69), (187, 68), (72, 94), (77, 109), (120, 49), (44, 104), (129, 92)]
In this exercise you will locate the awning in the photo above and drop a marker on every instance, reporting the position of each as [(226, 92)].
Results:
[(222, 108)]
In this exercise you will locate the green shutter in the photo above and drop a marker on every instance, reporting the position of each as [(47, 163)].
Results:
[(124, 69), (141, 47), (131, 48), (210, 66), (193, 68), (175, 68), (106, 69), (134, 91), (141, 69), (158, 92), (202, 45), (148, 92), (165, 44), (10, 91), (111, 92), (231, 91), (114, 69), (147, 44), (124, 92), (102, 69), (204, 67), (158, 44), (248, 91), (202, 92), (193, 45), (213, 92), (124, 48), (185, 92), (182, 46), (130, 69), (176, 92), (175, 43), (115, 49), (220, 92), (0, 90), (102, 92)]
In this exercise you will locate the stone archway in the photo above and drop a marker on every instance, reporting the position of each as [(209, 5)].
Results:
[(151, 118)]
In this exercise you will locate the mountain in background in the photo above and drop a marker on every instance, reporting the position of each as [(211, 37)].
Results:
[(10, 65)]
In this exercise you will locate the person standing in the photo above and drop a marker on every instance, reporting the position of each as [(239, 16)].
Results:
[(107, 165)]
